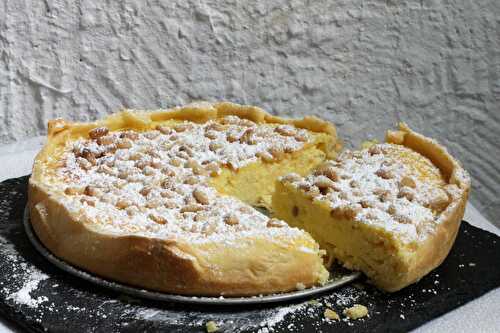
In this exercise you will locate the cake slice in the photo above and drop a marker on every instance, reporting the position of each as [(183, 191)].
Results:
[(391, 210)]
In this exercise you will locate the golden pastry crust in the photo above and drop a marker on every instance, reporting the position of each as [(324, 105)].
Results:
[(432, 252), (393, 239), (258, 265)]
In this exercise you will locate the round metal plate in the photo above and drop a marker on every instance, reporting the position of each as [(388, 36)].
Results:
[(338, 277)]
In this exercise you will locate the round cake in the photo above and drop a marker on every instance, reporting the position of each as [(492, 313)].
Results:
[(163, 200)]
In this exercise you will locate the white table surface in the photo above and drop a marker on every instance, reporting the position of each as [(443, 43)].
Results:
[(480, 315)]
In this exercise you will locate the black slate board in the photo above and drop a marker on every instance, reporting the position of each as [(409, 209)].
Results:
[(66, 303)]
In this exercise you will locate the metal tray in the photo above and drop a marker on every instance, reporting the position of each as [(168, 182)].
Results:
[(338, 277)]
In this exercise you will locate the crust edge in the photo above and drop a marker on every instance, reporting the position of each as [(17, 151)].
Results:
[(435, 249)]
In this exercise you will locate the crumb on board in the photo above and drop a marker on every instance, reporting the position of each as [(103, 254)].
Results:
[(356, 311), (330, 314), (300, 286), (211, 326)]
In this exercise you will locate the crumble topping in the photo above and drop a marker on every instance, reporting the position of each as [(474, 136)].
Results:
[(379, 186), (156, 183)]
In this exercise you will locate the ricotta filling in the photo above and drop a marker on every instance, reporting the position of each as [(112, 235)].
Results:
[(378, 187)]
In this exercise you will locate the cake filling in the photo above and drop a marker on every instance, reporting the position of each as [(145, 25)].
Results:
[(159, 183), (368, 209), (386, 186)]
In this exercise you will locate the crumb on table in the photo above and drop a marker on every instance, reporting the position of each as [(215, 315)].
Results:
[(356, 311), (330, 314), (211, 327)]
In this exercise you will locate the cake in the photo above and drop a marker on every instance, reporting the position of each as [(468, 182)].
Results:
[(165, 200), (391, 210)]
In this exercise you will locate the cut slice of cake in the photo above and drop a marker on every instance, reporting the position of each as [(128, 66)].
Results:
[(162, 199), (391, 210)]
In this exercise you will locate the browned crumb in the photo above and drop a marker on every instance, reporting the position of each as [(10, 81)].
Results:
[(356, 311), (330, 314)]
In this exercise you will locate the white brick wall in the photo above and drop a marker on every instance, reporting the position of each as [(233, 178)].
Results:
[(362, 64)]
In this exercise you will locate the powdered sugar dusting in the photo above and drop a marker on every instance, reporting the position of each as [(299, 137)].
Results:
[(156, 183), (381, 186), (29, 278), (278, 317), (280, 313), (23, 296)]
